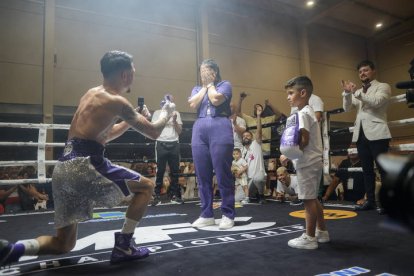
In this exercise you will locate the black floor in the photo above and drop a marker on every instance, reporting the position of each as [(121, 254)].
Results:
[(256, 246)]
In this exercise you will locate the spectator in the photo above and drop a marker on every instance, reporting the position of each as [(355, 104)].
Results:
[(287, 186), (270, 115), (239, 168), (252, 153), (371, 133), (167, 151)]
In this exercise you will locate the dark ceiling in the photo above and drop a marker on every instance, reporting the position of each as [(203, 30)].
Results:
[(354, 16)]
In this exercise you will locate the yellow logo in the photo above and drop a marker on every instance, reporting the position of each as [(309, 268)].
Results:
[(327, 214)]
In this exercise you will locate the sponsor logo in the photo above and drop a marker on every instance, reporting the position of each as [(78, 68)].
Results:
[(161, 240), (327, 214)]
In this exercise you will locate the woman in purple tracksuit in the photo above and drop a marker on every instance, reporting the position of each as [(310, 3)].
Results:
[(212, 144)]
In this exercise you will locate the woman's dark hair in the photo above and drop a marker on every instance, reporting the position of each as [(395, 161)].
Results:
[(211, 63)]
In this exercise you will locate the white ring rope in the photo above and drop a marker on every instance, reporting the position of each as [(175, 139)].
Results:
[(42, 144)]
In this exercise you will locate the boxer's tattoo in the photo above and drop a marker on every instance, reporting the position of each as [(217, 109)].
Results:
[(140, 123)]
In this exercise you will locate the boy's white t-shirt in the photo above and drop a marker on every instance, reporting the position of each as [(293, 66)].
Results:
[(291, 189), (312, 153)]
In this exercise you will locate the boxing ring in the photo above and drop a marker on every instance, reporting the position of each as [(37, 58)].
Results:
[(261, 231)]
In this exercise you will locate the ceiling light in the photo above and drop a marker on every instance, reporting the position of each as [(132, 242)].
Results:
[(378, 25), (310, 3)]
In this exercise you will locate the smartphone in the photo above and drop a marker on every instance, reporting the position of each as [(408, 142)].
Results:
[(140, 103)]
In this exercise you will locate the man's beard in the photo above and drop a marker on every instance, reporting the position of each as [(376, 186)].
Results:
[(246, 142)]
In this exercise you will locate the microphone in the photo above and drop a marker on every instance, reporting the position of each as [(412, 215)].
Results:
[(405, 84)]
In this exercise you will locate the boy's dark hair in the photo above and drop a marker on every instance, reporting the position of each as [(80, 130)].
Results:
[(211, 63), (237, 149), (114, 62), (302, 82), (366, 63)]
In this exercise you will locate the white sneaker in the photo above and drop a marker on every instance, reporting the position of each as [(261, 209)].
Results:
[(226, 223), (245, 201), (304, 242), (322, 236), (203, 222)]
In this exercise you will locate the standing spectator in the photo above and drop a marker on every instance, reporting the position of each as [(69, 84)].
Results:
[(212, 144), (167, 151), (252, 153), (308, 165), (239, 126), (371, 133), (269, 115)]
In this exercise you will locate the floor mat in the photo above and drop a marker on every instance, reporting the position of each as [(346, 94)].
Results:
[(257, 245)]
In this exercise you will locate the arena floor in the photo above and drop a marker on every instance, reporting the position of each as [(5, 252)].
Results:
[(257, 245)]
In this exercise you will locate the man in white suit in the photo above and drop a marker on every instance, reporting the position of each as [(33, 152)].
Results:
[(371, 132)]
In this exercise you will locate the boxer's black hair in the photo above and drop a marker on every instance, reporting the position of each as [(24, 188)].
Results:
[(114, 62)]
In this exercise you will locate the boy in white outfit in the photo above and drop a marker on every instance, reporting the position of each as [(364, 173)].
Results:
[(309, 165), (239, 168)]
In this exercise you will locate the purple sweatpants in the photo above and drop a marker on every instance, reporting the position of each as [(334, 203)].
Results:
[(212, 148)]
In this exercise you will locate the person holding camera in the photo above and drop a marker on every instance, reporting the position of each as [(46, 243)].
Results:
[(371, 133), (167, 151)]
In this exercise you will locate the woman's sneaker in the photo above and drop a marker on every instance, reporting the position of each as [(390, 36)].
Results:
[(322, 236), (203, 222), (304, 242), (226, 223)]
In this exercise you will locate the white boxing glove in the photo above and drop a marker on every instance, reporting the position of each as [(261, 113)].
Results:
[(167, 110)]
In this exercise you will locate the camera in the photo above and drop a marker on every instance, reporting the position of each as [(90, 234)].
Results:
[(397, 191)]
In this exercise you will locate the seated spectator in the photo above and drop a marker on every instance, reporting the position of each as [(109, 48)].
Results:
[(191, 184), (353, 182), (29, 195), (5, 192), (272, 177), (286, 186), (287, 163)]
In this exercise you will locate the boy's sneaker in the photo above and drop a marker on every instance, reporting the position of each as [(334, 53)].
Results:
[(10, 252), (125, 251), (245, 201), (322, 236), (226, 223), (203, 222), (304, 242)]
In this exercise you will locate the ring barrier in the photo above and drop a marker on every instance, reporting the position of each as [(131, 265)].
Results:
[(41, 145), (326, 133)]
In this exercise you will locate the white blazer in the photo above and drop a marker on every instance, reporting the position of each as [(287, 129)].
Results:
[(371, 110)]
